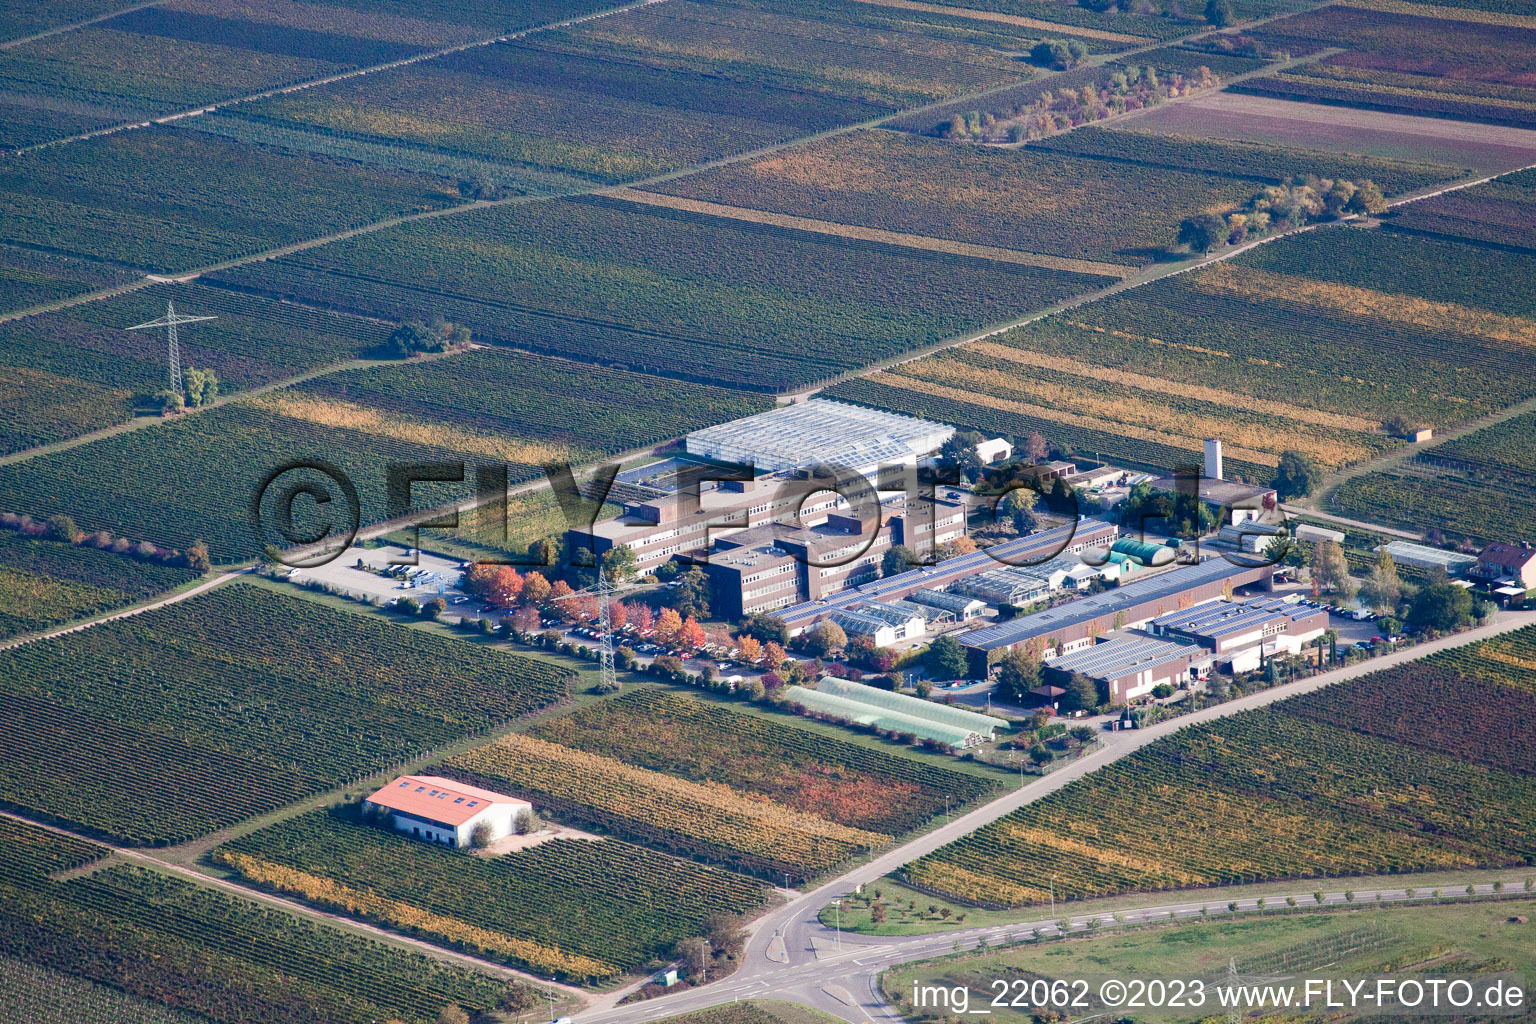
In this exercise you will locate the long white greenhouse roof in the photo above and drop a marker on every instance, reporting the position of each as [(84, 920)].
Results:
[(819, 430), (915, 707), (881, 718)]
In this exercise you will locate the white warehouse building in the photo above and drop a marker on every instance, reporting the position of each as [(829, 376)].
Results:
[(819, 430), (444, 811)]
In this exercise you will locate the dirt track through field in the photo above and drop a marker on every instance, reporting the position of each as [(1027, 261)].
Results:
[(1009, 19)]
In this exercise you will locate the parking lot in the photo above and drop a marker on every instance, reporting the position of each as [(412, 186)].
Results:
[(431, 577)]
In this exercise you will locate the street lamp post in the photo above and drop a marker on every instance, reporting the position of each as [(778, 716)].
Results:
[(837, 922), (1053, 897)]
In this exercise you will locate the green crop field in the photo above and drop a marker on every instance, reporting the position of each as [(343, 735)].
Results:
[(831, 778), (126, 937), (484, 407), (104, 198), (46, 582), (1028, 199), (1329, 784), (172, 723), (665, 291), (71, 372), (581, 909)]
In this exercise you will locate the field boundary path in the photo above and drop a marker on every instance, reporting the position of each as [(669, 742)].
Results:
[(798, 922), (59, 30), (313, 83)]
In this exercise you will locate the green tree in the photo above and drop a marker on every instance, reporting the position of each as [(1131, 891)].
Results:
[(1082, 694), (62, 527), (197, 557), (945, 659), (691, 593), (1017, 673), (1383, 588), (1296, 476), (202, 386), (619, 563), (1202, 232), (826, 639), (1440, 606), (1218, 12), (1367, 198), (897, 560)]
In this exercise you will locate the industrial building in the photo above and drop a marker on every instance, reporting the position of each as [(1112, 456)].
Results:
[(1241, 634), (1042, 546), (1067, 627), (1229, 500), (1130, 666), (444, 811), (768, 567), (820, 431)]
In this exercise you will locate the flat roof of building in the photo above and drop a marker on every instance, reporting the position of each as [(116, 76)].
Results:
[(1142, 589), (1217, 492), (951, 569), (1120, 656), (1410, 553), (438, 799), (820, 430), (1223, 618)]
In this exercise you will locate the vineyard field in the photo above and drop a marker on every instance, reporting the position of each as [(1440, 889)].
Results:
[(104, 198), (833, 779), (46, 583), (22, 17), (487, 407), (1457, 504), (1310, 342), (233, 703), (1499, 213), (1399, 771), (38, 995), (188, 53), (1145, 411), (126, 940), (67, 373), (1028, 199), (580, 909), (1249, 161), (683, 295), (708, 821), (1408, 63), (30, 278)]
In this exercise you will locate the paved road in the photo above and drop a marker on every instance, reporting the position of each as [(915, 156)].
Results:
[(842, 978), (795, 930)]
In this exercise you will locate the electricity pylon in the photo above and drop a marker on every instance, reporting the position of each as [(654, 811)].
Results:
[(603, 589), (169, 322)]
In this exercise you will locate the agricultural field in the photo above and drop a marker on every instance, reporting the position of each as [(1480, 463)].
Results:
[(706, 821), (1250, 161), (1500, 213), (29, 278), (188, 53), (1397, 771), (1311, 342), (46, 583), (70, 372), (1028, 200), (1480, 486), (1231, 117), (169, 724), (580, 909), (833, 779), (653, 90), (486, 406), (126, 940), (491, 533), (42, 996), (670, 292), (19, 18), (104, 198), (1450, 66), (1289, 944), (754, 1011)]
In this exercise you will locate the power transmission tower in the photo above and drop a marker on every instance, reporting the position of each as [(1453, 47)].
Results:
[(169, 322), (603, 590)]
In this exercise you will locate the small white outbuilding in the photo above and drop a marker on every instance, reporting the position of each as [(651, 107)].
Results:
[(444, 811)]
